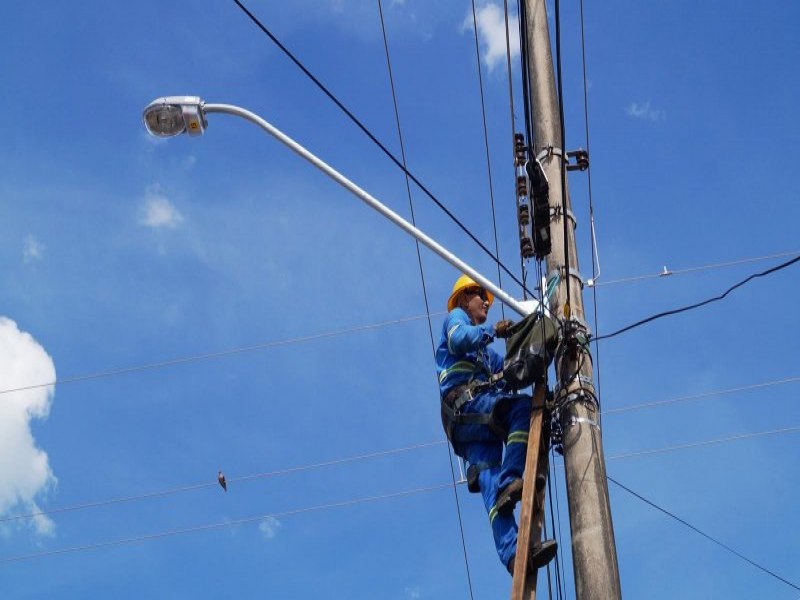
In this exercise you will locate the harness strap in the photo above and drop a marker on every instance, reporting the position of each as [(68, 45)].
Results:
[(474, 470)]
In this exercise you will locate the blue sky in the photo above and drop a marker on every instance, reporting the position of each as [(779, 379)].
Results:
[(119, 250)]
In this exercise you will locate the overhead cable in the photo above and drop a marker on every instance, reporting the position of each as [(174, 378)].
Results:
[(424, 287), (374, 139), (699, 304), (219, 525), (699, 396), (733, 438), (301, 468), (595, 255), (705, 535), (561, 168), (668, 272), (222, 353), (486, 147), (214, 484)]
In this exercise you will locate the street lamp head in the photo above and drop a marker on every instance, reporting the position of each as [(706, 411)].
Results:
[(173, 115)]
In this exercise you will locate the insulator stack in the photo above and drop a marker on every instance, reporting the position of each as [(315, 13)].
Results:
[(520, 151), (526, 248), (524, 214), (523, 205), (522, 186)]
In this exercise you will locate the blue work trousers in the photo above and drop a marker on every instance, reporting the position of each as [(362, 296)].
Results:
[(481, 446)]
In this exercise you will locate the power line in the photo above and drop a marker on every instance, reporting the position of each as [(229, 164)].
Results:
[(701, 395), (595, 260), (668, 273), (699, 304), (733, 438), (422, 279), (562, 170), (705, 535), (220, 354), (224, 524), (374, 139), (214, 484), (486, 147), (339, 461)]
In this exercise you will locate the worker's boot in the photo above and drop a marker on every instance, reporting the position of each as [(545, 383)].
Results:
[(539, 555), (508, 498)]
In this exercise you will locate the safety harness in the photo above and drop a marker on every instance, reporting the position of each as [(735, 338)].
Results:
[(529, 352)]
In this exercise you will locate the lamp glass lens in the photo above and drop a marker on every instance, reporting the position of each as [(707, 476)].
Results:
[(165, 120)]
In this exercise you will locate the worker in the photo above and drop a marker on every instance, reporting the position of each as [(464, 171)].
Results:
[(480, 418)]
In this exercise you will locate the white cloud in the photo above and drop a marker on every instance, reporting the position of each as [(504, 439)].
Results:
[(645, 111), (413, 593), (157, 211), (32, 249), (492, 33), (24, 468), (269, 527)]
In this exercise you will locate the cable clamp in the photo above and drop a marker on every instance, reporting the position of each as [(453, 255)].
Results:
[(586, 383), (556, 213), (585, 421), (562, 271), (549, 152)]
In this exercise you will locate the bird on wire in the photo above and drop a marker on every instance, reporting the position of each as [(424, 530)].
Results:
[(222, 482)]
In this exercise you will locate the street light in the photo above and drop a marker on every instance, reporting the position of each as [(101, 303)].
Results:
[(172, 115)]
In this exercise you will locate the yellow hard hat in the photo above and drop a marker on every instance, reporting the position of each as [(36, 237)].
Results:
[(462, 283)]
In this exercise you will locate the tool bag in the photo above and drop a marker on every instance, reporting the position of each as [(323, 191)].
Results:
[(529, 350)]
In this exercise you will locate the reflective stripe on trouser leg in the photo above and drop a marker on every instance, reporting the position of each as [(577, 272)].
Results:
[(517, 422), (504, 529)]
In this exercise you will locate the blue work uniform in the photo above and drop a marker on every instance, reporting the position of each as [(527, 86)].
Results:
[(464, 355)]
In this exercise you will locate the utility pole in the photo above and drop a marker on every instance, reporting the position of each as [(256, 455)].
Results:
[(594, 553)]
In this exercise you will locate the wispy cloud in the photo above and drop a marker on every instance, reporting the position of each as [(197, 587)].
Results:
[(492, 33), (32, 249), (269, 527), (645, 111), (25, 471), (157, 212), (413, 593)]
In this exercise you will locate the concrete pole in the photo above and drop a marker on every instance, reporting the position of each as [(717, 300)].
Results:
[(593, 549)]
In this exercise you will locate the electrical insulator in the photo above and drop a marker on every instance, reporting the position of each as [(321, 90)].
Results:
[(581, 160), (524, 215), (519, 149), (522, 186), (526, 248)]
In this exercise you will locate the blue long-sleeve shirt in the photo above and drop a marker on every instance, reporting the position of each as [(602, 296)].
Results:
[(463, 353)]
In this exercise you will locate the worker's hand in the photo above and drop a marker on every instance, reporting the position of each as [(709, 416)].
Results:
[(501, 329)]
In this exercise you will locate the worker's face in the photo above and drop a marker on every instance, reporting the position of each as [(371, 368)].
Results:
[(475, 304)]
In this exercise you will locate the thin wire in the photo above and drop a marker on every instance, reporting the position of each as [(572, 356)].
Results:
[(334, 462), (733, 438), (705, 535), (422, 274), (486, 146), (562, 170), (559, 590), (591, 209), (220, 354), (224, 524), (374, 139), (721, 265), (703, 303), (513, 124), (558, 517), (700, 396), (214, 484)]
